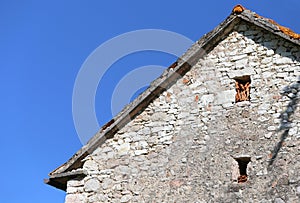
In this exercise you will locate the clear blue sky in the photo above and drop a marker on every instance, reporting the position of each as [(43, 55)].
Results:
[(43, 45)]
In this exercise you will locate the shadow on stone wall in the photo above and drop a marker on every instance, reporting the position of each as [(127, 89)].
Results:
[(285, 118), (290, 91)]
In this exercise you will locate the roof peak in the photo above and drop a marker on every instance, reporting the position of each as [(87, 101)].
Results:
[(238, 9)]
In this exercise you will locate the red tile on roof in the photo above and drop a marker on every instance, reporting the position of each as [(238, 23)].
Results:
[(238, 9)]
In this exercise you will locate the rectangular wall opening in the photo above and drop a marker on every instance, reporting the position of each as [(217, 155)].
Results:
[(243, 163), (242, 87)]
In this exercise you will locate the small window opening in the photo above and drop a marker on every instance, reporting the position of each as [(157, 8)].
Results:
[(242, 87), (243, 163)]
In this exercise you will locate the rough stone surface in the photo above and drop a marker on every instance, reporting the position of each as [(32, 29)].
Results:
[(278, 200), (75, 198), (298, 190), (92, 185), (185, 145)]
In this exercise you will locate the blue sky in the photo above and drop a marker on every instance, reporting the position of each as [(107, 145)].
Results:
[(43, 45)]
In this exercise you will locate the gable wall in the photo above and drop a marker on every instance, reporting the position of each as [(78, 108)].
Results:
[(181, 148)]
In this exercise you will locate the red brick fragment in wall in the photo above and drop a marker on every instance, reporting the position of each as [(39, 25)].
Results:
[(176, 183), (242, 178), (168, 174), (168, 97), (208, 107), (185, 81), (270, 156), (277, 97), (274, 184)]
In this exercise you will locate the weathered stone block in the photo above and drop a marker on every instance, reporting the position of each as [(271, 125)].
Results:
[(240, 73), (92, 185), (75, 198), (225, 97)]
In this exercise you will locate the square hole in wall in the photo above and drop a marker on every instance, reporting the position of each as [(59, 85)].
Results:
[(242, 87), (241, 168)]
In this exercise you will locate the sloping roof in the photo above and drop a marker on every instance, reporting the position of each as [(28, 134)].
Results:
[(73, 167)]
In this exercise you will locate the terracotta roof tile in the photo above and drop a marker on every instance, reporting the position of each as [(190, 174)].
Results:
[(238, 9)]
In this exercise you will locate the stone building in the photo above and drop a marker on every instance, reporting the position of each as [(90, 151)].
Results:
[(220, 125)]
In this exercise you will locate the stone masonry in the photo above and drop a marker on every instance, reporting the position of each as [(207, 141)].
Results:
[(187, 144)]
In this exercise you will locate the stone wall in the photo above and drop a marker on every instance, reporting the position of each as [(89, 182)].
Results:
[(184, 147)]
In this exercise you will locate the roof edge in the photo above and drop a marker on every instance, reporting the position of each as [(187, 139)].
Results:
[(60, 180), (168, 78), (271, 26), (170, 75)]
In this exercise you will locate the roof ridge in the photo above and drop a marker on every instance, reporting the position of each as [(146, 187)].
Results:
[(238, 9)]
